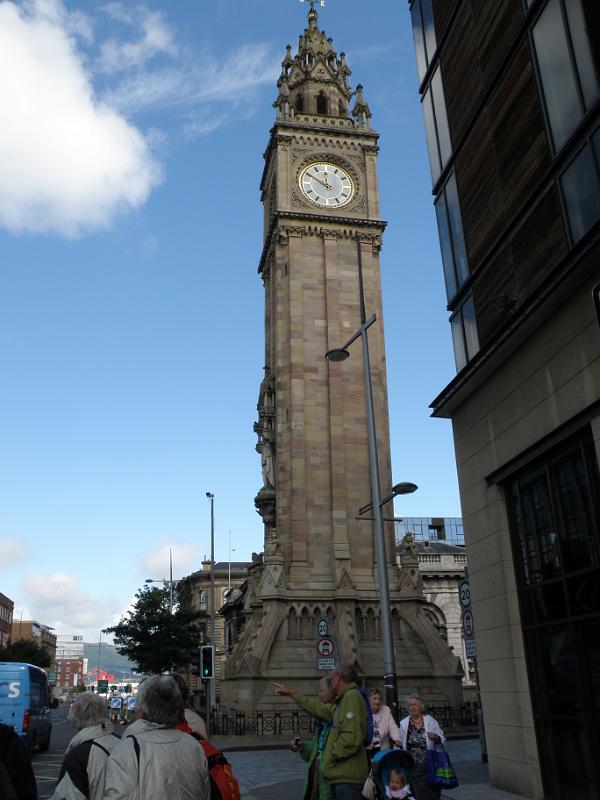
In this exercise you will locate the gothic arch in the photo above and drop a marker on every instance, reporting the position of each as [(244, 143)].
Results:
[(322, 103)]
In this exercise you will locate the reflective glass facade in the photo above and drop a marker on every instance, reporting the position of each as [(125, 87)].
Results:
[(433, 529)]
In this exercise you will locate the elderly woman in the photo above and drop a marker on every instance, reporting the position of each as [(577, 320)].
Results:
[(419, 733), (84, 764), (385, 730), (315, 785), (154, 760)]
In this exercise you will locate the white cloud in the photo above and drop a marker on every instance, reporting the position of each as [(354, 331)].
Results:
[(68, 163), (186, 559), (11, 551), (58, 600), (155, 37), (232, 80)]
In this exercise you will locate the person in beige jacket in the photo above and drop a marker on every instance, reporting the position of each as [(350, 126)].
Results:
[(153, 760)]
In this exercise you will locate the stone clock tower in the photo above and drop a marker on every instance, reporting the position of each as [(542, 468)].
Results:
[(322, 225)]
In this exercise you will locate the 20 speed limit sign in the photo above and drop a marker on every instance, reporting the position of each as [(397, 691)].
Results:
[(464, 593)]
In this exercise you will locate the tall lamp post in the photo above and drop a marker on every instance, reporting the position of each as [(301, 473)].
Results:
[(213, 688), (341, 354), (167, 581)]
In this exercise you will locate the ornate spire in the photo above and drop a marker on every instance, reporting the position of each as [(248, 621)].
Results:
[(314, 81)]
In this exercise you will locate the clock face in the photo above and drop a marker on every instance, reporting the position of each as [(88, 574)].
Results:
[(326, 185)]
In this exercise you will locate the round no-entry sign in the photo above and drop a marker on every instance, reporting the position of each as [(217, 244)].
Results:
[(325, 647)]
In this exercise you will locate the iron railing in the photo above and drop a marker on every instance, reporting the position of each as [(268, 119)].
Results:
[(227, 722)]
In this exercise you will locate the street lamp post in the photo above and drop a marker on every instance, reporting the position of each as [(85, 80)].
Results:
[(213, 688), (167, 581), (341, 354)]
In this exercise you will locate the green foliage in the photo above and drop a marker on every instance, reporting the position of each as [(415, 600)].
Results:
[(155, 638), (27, 651)]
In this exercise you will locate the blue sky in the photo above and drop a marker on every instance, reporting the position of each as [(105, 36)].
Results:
[(131, 312)]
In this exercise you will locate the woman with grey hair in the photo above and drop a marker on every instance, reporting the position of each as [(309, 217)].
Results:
[(315, 785), (154, 760), (420, 732), (83, 769)]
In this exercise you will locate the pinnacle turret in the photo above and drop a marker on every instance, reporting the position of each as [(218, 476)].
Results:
[(316, 81)]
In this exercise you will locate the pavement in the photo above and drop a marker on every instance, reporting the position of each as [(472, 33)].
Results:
[(267, 770)]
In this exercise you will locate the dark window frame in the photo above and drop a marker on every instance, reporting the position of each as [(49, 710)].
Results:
[(466, 351), (428, 58), (588, 144), (450, 260), (534, 9)]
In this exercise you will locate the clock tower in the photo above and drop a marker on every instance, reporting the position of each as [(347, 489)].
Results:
[(322, 233)]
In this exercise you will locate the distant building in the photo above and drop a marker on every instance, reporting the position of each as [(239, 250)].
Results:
[(69, 646), (6, 617), (33, 631), (228, 574), (69, 673), (432, 529)]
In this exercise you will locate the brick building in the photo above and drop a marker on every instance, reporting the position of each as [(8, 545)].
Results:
[(6, 617)]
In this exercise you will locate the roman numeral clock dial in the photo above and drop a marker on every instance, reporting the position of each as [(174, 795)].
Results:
[(326, 185)]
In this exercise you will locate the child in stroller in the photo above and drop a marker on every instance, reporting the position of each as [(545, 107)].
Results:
[(392, 774)]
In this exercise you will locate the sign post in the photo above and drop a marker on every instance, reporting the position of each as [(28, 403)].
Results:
[(468, 628), (325, 646)]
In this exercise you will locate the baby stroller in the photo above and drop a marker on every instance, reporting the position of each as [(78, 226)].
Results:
[(387, 760)]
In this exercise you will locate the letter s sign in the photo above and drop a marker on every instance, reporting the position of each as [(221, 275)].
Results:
[(10, 689)]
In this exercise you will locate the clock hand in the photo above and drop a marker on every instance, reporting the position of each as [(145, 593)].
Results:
[(326, 185)]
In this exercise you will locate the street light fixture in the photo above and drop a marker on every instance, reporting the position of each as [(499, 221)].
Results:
[(399, 488), (341, 354)]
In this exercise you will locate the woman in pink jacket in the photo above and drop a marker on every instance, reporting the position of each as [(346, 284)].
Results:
[(385, 730)]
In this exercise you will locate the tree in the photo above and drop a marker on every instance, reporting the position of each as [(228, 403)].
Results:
[(27, 651), (156, 637)]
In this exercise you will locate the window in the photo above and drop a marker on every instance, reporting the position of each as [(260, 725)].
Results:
[(321, 103), (464, 333), (580, 184), (436, 125), (555, 529), (423, 34), (566, 39), (452, 240)]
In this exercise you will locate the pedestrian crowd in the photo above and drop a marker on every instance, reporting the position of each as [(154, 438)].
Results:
[(163, 754), (357, 749), (354, 730)]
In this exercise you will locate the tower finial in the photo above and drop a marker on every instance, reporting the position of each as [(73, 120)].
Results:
[(312, 14)]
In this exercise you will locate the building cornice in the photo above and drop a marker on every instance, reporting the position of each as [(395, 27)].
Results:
[(348, 232)]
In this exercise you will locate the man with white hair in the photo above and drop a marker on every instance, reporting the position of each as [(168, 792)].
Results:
[(154, 760), (82, 772)]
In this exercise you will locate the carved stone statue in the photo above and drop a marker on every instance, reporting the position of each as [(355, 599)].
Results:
[(267, 463)]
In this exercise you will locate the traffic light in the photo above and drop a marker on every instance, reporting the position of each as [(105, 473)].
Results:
[(207, 661)]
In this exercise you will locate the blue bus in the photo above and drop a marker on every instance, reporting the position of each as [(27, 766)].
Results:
[(25, 703)]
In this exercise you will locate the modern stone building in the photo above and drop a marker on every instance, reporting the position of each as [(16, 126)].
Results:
[(322, 237), (511, 99)]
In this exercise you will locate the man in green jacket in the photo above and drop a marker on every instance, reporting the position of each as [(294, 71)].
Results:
[(344, 763)]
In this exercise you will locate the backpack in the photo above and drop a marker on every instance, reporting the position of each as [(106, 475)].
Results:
[(7, 787), (369, 737), (223, 785)]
